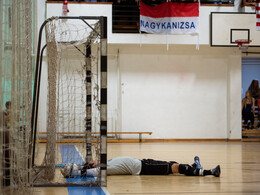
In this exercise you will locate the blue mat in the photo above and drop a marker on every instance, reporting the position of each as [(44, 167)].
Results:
[(70, 154), (85, 190), (79, 179)]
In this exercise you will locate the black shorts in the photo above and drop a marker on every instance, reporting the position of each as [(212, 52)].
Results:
[(156, 167)]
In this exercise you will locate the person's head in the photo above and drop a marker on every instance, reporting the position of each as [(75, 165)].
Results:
[(248, 94), (254, 84), (8, 105)]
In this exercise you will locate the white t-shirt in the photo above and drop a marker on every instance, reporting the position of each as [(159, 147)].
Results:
[(124, 166)]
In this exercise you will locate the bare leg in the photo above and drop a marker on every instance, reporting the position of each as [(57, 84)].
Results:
[(175, 168)]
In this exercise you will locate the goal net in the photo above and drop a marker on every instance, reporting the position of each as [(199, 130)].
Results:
[(76, 103), (16, 70)]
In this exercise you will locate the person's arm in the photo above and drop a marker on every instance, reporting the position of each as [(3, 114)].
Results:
[(92, 172), (253, 105), (258, 94)]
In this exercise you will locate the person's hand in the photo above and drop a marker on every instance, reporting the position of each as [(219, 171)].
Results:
[(93, 163)]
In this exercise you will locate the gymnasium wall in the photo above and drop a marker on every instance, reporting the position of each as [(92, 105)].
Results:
[(181, 93)]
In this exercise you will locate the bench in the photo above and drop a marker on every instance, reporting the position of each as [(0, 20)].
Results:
[(251, 135), (116, 133)]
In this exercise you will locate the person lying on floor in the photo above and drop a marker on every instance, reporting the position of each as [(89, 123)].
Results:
[(132, 166)]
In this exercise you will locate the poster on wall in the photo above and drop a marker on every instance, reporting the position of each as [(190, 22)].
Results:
[(170, 18)]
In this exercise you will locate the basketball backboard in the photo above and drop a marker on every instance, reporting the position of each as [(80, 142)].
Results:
[(227, 27)]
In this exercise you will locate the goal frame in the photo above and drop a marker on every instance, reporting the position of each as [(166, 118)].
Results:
[(103, 98)]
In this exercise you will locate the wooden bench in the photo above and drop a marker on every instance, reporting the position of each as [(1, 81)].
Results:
[(116, 133), (251, 135)]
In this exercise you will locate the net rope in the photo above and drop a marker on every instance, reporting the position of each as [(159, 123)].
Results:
[(67, 112), (243, 44), (16, 72)]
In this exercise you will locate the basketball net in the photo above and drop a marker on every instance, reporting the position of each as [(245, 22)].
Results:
[(243, 44)]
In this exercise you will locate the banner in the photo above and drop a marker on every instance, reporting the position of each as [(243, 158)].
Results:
[(257, 10), (170, 18)]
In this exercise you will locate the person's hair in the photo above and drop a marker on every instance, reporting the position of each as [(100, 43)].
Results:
[(249, 93), (252, 86), (8, 103)]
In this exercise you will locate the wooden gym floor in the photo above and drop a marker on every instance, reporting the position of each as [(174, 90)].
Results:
[(239, 161)]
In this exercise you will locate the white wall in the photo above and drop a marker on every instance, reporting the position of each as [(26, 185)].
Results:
[(182, 93), (234, 94), (179, 93)]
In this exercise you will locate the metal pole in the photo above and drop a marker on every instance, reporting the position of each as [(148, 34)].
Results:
[(88, 102), (36, 88), (37, 103), (103, 102)]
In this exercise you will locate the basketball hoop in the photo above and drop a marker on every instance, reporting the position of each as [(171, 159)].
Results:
[(243, 44)]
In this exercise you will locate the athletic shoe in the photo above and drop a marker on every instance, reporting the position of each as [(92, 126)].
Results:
[(216, 171), (197, 162)]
